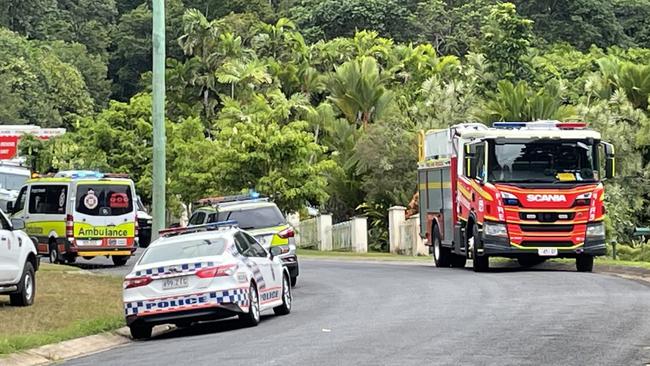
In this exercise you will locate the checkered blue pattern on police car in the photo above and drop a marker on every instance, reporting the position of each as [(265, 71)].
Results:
[(236, 296), (175, 270)]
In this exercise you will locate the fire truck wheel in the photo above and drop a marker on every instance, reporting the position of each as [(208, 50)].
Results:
[(585, 263), (480, 263), (442, 256)]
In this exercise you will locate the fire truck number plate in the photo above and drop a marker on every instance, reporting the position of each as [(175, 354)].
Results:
[(547, 252)]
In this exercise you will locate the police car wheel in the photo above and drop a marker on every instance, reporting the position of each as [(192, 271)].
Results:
[(252, 317), (287, 299), (294, 280), (141, 331)]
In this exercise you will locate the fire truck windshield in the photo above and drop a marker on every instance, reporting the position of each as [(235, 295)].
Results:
[(542, 161)]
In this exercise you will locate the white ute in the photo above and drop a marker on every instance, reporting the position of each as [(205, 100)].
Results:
[(18, 262)]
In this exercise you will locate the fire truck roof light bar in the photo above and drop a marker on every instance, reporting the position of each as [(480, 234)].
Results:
[(541, 125)]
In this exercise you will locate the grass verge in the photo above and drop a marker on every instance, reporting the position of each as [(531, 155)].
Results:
[(69, 304), (309, 253)]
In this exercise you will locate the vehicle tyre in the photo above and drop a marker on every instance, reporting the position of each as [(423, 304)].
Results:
[(140, 331), (26, 288), (120, 260), (530, 261), (480, 263), (287, 299), (585, 263), (442, 256), (294, 280), (184, 324), (88, 258), (54, 255), (252, 317), (70, 258), (458, 261)]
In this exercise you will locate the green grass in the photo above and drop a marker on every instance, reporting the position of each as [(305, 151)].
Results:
[(67, 305), (310, 253), (611, 262)]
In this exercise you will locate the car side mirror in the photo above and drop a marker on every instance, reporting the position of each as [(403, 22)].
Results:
[(18, 224), (275, 251), (10, 207)]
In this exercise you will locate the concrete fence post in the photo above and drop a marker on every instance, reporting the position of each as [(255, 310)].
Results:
[(396, 217), (325, 232), (359, 230), (420, 248)]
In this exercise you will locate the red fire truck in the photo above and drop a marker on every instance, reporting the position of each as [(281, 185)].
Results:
[(523, 190)]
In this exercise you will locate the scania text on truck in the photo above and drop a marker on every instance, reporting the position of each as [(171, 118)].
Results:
[(528, 191)]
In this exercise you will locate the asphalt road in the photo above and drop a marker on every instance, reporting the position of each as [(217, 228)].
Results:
[(383, 314)]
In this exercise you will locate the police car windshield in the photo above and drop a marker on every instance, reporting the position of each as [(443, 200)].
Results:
[(254, 218), (104, 199), (542, 161), (184, 250)]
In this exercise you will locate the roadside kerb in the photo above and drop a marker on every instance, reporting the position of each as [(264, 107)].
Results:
[(75, 348)]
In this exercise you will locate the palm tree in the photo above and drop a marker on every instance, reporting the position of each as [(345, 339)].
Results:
[(357, 89), (240, 72), (519, 103)]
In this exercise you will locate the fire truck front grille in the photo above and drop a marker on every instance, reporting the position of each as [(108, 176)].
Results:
[(547, 244), (547, 228), (546, 216)]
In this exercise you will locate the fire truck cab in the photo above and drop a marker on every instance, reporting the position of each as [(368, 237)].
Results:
[(523, 190)]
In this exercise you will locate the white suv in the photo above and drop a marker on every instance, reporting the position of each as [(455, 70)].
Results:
[(18, 262)]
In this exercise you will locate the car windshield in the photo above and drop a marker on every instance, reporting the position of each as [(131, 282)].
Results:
[(542, 161), (184, 250), (254, 218), (12, 182)]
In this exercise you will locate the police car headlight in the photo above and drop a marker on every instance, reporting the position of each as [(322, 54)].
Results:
[(596, 231), (495, 229)]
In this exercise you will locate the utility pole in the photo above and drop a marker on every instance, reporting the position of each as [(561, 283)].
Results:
[(159, 140)]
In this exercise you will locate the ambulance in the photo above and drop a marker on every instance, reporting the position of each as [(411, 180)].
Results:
[(79, 214)]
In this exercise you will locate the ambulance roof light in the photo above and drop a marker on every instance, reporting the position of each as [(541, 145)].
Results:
[(74, 174)]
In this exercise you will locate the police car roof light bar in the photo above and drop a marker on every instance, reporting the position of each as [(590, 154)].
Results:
[(252, 196), (197, 228), (509, 125)]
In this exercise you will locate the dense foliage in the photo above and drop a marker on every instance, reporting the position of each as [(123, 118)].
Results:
[(318, 102)]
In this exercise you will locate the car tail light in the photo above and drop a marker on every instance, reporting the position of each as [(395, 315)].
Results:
[(137, 282), (69, 226), (287, 233), (137, 226), (219, 271)]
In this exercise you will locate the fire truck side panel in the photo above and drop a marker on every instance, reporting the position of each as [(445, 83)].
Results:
[(435, 202)]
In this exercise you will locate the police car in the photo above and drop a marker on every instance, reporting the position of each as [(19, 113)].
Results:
[(205, 272), (259, 217)]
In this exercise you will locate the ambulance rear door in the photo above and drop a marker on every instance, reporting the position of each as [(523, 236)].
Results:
[(104, 213)]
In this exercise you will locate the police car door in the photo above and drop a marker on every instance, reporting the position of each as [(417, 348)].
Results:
[(270, 289)]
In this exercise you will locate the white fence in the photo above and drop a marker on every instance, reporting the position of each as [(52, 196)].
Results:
[(351, 235), (319, 233), (404, 235)]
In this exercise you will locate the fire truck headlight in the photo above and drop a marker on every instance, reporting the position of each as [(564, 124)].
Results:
[(495, 229), (596, 231), (509, 199)]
